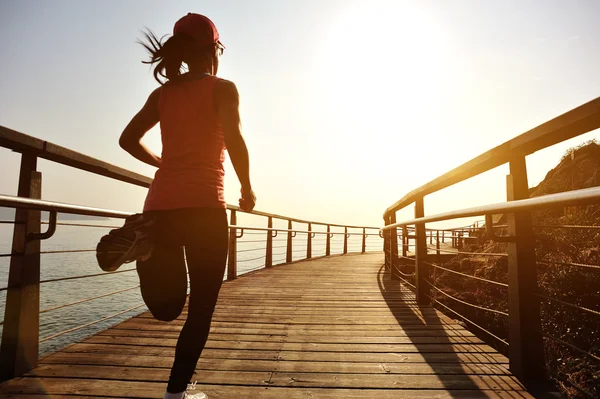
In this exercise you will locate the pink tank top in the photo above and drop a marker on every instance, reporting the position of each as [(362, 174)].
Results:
[(191, 174)]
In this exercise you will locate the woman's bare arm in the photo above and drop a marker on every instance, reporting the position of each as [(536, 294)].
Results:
[(228, 107), (144, 120)]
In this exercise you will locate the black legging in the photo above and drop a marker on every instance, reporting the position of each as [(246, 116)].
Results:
[(204, 234)]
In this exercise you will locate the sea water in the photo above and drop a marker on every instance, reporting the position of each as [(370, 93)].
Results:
[(251, 256)]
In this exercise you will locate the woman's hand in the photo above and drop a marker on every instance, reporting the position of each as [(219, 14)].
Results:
[(248, 200)]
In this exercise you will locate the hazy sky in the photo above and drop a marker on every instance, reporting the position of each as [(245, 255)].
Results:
[(346, 105)]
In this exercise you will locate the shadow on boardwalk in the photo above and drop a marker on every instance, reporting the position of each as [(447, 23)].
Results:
[(460, 360)]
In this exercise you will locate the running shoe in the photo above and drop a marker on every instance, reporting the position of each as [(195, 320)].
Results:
[(189, 395), (131, 242)]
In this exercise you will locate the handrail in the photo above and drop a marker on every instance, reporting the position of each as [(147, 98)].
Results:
[(575, 197), (23, 143), (580, 120), (11, 201)]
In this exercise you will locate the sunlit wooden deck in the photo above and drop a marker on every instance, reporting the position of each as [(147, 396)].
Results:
[(334, 327)]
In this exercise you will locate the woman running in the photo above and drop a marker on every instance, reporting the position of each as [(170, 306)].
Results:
[(199, 117)]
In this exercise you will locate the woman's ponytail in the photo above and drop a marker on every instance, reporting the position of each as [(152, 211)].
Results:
[(168, 56)]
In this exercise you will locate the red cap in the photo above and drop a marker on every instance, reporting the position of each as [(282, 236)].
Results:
[(200, 28)]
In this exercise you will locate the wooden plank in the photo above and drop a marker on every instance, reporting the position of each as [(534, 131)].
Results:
[(300, 338), (132, 329), (282, 366), (362, 381), (293, 346), (278, 308), (488, 358), (83, 371), (211, 337), (333, 305), (255, 378), (414, 320), (253, 354), (158, 361), (127, 350), (250, 323)]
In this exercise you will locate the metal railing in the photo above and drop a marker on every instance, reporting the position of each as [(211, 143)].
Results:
[(421, 269), (20, 335)]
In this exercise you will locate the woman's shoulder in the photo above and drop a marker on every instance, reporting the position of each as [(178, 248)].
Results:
[(225, 91), (224, 85)]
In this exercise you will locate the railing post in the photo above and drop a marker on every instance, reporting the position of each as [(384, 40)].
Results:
[(404, 241), (526, 352), (328, 242), (309, 242), (364, 241), (288, 254), (269, 254), (345, 240), (420, 256), (394, 248), (437, 243), (443, 238), (232, 258), (386, 244), (20, 336)]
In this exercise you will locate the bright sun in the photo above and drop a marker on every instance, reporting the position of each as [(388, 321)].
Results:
[(381, 60)]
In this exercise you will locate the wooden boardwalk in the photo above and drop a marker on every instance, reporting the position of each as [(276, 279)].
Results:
[(334, 327)]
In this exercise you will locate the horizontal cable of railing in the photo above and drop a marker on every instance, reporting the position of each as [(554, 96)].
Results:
[(406, 257), (485, 280), (448, 251), (66, 251), (403, 279), (90, 323), (465, 302), (566, 226), (104, 226), (400, 272), (250, 259), (579, 350), (569, 264), (87, 299), (54, 280), (568, 304), (241, 251)]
